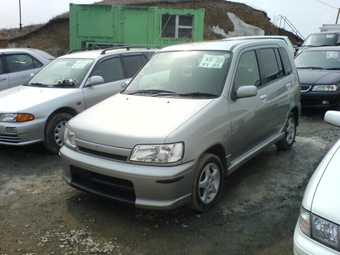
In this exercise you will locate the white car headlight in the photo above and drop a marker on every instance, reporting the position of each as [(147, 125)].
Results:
[(325, 232), (325, 88), (69, 138), (319, 229), (16, 117), (163, 153)]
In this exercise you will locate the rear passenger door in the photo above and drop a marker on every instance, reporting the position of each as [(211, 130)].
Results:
[(115, 70), (277, 78)]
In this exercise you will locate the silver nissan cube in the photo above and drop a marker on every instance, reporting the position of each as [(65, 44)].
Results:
[(191, 116)]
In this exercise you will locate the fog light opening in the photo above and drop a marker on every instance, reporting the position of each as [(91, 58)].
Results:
[(11, 130)]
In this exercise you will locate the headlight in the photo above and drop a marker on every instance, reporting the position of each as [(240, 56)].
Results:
[(16, 117), (69, 138), (325, 232), (319, 229), (163, 153), (325, 88)]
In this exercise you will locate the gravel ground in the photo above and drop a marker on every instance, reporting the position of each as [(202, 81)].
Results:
[(40, 214)]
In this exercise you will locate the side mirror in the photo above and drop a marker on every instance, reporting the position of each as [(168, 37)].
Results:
[(94, 80), (332, 117), (246, 91)]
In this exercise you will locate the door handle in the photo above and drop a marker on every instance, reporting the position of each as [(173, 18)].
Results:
[(262, 97), (289, 85)]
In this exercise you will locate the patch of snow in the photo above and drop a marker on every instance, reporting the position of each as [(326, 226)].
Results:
[(240, 28)]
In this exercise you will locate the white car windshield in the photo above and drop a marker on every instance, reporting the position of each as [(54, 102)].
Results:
[(62, 72), (183, 73)]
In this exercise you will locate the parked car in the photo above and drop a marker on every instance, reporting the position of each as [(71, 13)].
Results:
[(37, 111), (328, 38), (319, 72), (318, 228), (18, 64), (190, 117)]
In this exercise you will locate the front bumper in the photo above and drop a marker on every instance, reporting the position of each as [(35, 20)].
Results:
[(149, 187), (320, 99), (22, 133), (303, 245)]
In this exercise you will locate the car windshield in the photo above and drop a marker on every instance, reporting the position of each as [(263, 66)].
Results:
[(317, 40), (185, 73), (329, 60), (62, 72)]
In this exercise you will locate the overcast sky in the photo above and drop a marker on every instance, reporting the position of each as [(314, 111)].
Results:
[(307, 16)]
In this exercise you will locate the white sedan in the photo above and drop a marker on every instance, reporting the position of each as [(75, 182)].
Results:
[(318, 228)]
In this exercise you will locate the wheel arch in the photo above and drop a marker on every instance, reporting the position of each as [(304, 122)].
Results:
[(297, 115), (219, 151), (67, 110)]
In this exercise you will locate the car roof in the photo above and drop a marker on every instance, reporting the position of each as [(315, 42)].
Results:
[(105, 52), (325, 32), (222, 44), (323, 48), (28, 50)]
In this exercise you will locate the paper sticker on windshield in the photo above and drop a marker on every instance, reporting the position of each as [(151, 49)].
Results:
[(212, 61), (80, 64), (331, 54)]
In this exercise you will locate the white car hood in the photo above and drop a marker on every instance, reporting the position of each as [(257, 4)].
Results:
[(123, 120), (323, 190), (23, 98)]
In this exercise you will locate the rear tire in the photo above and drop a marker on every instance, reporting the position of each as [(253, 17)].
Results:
[(290, 132), (208, 183), (54, 131)]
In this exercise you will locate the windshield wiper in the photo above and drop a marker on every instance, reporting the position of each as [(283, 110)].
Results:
[(198, 94), (151, 91), (311, 67), (36, 84), (333, 68)]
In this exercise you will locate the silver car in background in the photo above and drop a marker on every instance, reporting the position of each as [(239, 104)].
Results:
[(17, 65), (190, 117), (37, 111)]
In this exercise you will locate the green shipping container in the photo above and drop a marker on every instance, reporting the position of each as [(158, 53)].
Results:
[(93, 26)]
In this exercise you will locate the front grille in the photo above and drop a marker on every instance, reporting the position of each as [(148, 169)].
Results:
[(107, 186), (102, 154), (9, 139)]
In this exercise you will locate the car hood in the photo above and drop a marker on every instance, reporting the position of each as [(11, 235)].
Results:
[(123, 120), (321, 195), (316, 77), (23, 98)]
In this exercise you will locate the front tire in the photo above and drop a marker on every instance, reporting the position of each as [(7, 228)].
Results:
[(290, 132), (54, 131), (208, 183)]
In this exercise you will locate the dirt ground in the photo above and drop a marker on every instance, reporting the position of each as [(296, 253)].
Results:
[(40, 214)]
